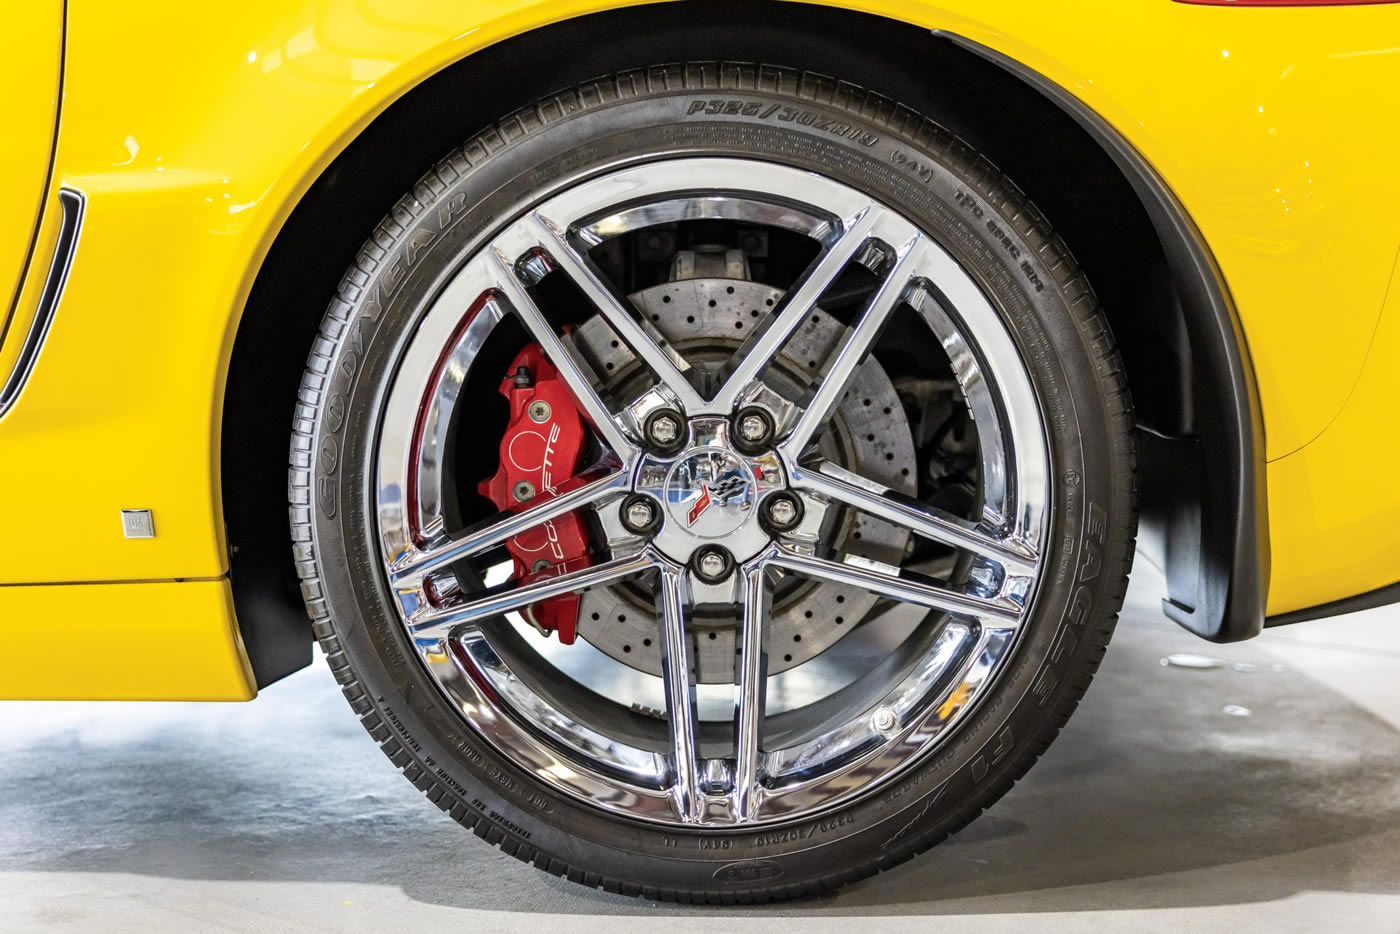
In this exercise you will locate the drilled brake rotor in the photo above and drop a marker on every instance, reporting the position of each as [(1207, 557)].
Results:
[(705, 320)]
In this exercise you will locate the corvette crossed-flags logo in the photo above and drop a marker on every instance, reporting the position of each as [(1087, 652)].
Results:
[(722, 491)]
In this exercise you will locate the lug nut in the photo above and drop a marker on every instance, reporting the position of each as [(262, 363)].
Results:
[(640, 515), (753, 429), (712, 564), (539, 411), (782, 512), (663, 429)]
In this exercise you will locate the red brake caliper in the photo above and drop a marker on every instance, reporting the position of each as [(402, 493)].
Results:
[(543, 445)]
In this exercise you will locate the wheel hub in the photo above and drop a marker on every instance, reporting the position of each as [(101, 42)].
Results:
[(710, 492)]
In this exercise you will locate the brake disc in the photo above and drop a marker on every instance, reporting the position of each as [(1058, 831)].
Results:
[(705, 320)]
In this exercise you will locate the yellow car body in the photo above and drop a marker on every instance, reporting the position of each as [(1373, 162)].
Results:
[(194, 136)]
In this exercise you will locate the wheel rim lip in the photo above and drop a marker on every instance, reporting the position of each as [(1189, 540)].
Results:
[(471, 674)]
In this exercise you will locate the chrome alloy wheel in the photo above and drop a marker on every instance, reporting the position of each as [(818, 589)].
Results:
[(712, 492)]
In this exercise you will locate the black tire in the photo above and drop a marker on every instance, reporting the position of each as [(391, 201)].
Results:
[(858, 138)]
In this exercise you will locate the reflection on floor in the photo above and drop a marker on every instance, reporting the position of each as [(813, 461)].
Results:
[(1260, 793)]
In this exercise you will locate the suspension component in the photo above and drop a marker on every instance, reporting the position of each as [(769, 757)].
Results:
[(542, 446)]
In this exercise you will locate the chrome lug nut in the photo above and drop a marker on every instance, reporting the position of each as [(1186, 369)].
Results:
[(712, 564), (640, 515), (782, 512), (664, 429), (753, 429)]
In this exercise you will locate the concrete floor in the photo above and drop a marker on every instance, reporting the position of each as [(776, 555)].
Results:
[(1260, 795)]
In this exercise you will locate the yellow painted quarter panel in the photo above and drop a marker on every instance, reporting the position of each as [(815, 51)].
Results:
[(194, 135), (29, 73), (151, 641), (1264, 122), (1339, 537)]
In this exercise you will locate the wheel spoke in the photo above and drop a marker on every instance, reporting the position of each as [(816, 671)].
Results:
[(570, 367), (879, 501), (772, 332), (890, 582), (581, 490), (751, 694), (669, 367), (854, 348), (433, 623), (673, 612)]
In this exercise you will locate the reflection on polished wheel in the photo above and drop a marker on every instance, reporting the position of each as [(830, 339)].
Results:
[(718, 516), (728, 448)]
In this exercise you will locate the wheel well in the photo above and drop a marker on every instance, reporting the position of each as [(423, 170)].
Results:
[(1064, 165)]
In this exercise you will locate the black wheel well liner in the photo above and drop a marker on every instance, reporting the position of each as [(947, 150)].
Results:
[(1184, 352)]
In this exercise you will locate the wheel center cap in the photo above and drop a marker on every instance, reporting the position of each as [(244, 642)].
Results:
[(710, 493)]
